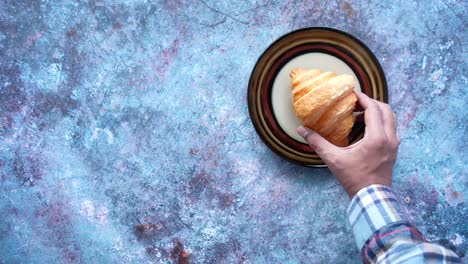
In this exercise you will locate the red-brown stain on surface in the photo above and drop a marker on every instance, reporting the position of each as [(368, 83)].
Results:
[(173, 5), (71, 33), (165, 59), (180, 254), (147, 227), (117, 25), (348, 9), (31, 39), (194, 151)]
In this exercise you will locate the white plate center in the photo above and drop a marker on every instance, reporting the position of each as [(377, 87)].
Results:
[(281, 98)]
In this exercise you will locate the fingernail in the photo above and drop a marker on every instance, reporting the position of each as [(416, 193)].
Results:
[(302, 131)]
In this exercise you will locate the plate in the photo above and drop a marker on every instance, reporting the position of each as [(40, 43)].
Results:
[(269, 90)]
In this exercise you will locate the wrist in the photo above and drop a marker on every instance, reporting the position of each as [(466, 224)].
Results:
[(355, 188)]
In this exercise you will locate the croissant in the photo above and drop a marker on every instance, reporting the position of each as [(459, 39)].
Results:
[(324, 102)]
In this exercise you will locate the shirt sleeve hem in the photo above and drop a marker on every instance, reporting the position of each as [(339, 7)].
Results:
[(372, 208)]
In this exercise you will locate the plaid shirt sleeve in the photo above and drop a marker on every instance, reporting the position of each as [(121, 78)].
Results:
[(384, 232)]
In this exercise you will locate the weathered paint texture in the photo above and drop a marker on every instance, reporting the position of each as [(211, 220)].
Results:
[(125, 135)]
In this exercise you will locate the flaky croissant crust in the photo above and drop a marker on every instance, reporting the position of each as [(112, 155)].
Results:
[(324, 102)]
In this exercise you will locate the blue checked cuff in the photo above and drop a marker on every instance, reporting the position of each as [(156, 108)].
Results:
[(372, 208)]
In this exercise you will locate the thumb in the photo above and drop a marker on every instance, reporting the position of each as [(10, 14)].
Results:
[(316, 142)]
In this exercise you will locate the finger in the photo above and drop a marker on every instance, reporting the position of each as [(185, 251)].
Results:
[(395, 119), (388, 118), (372, 114), (317, 142), (389, 121)]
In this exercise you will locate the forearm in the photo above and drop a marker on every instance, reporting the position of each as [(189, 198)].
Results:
[(384, 231)]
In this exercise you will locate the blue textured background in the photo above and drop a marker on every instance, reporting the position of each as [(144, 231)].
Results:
[(125, 135)]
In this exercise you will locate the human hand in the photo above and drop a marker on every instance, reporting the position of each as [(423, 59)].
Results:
[(368, 161)]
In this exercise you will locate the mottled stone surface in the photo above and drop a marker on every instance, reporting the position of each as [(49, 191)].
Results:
[(125, 135)]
